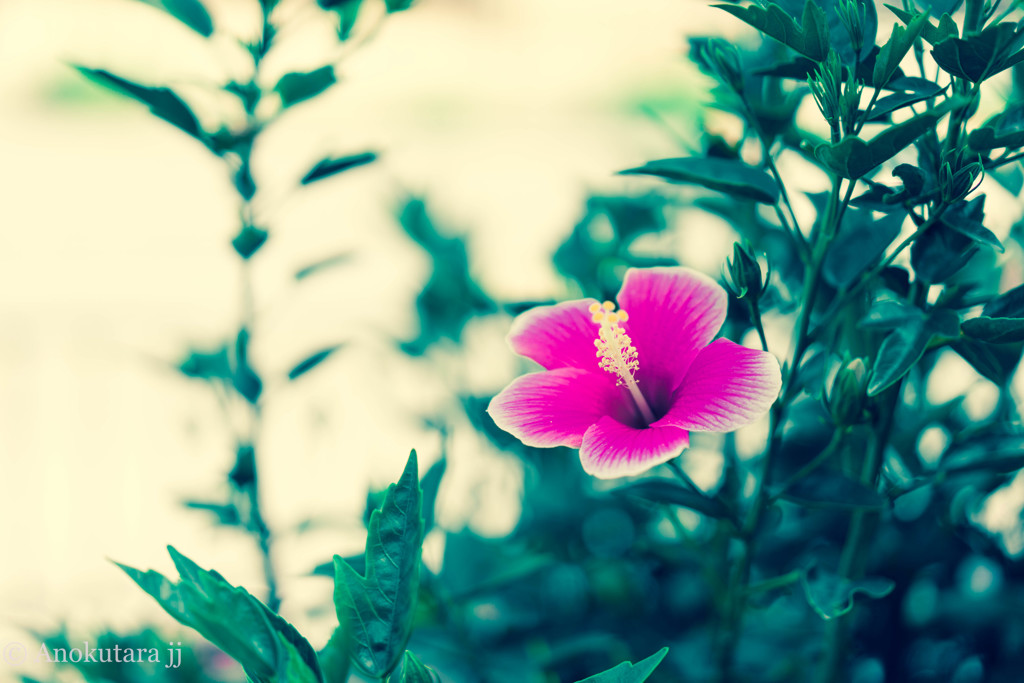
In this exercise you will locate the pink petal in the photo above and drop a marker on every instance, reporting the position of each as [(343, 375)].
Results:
[(559, 336), (673, 314), (612, 449), (728, 386), (555, 408)]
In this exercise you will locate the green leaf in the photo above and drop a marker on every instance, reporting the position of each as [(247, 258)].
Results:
[(810, 38), (431, 486), (413, 671), (207, 365), (323, 264), (162, 102), (334, 165), (666, 491), (995, 330), (981, 56), (248, 240), (189, 12), (379, 606), (397, 5), (244, 378), (996, 362), (889, 314), (268, 647), (930, 32), (334, 658), (831, 596), (1007, 305), (973, 230), (898, 100), (899, 352), (859, 244), (895, 49), (832, 490), (297, 86), (626, 672), (852, 157), (304, 366), (725, 175)]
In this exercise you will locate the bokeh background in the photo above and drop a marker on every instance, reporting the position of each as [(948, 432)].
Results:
[(115, 258)]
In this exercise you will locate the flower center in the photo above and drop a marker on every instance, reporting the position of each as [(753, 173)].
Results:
[(617, 353)]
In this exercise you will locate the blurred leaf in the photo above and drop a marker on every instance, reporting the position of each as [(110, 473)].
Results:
[(995, 330), (268, 647), (207, 365), (1007, 305), (244, 182), (312, 361), (860, 242), (830, 489), (225, 514), (889, 314), (852, 157), (163, 102), (329, 166), (336, 655), (431, 485), (627, 672), (397, 5), (413, 671), (297, 86), (994, 362), (379, 606), (725, 175), (249, 240), (324, 264), (244, 378), (189, 12), (666, 491), (980, 56), (831, 596), (810, 38)]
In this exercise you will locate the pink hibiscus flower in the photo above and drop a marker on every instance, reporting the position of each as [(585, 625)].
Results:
[(627, 387)]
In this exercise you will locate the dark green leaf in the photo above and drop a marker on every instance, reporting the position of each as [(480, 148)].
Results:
[(940, 253), (725, 175), (413, 671), (828, 489), (895, 49), (890, 314), (224, 514), (859, 244), (334, 165), (627, 672), (431, 485), (930, 32), (312, 361), (831, 596), (972, 229), (885, 106), (334, 658), (899, 352), (810, 38), (208, 366), (995, 330), (163, 102), (330, 262), (379, 606), (397, 5), (666, 491), (1007, 305), (189, 12), (248, 241), (298, 86), (244, 377), (853, 157), (993, 361), (268, 647), (983, 55)]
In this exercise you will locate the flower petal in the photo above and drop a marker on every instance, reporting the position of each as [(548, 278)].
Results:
[(613, 449), (673, 314), (559, 336), (555, 408), (728, 386)]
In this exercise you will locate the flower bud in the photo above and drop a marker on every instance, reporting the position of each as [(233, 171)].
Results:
[(744, 273), (958, 176), (847, 396)]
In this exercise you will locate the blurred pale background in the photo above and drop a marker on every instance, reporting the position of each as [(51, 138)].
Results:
[(115, 257)]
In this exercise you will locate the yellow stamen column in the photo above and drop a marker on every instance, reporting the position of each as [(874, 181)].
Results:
[(617, 353)]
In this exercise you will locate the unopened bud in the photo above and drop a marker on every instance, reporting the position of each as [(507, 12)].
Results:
[(744, 273), (847, 397)]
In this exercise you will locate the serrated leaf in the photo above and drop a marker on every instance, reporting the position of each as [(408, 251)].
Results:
[(378, 606), (414, 671), (268, 647), (995, 330), (299, 86), (666, 491), (810, 38), (325, 168), (627, 672), (832, 596), (853, 157), (162, 102), (189, 12), (307, 364), (832, 490), (725, 175)]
